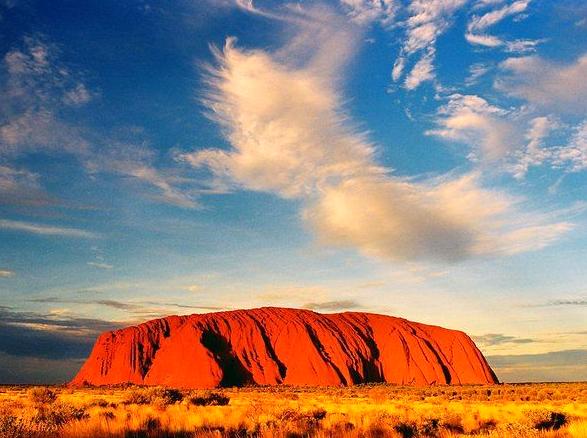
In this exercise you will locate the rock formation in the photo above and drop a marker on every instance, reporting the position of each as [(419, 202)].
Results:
[(270, 346)]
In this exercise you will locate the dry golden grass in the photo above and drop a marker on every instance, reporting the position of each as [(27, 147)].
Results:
[(536, 410)]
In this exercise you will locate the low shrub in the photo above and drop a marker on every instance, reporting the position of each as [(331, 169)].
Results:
[(151, 424), (156, 395), (406, 429), (12, 427), (55, 417), (210, 399), (41, 395), (429, 427), (554, 421), (453, 423), (298, 422), (100, 403)]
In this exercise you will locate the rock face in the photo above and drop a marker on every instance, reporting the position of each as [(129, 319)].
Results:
[(271, 346)]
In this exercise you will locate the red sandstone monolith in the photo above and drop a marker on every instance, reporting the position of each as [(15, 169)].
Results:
[(271, 346)]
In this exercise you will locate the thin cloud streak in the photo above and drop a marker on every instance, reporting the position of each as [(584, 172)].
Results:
[(494, 339), (101, 265), (570, 302), (140, 308), (333, 305), (478, 26), (7, 273), (45, 230)]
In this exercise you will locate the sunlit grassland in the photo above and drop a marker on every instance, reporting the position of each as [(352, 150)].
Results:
[(534, 410)]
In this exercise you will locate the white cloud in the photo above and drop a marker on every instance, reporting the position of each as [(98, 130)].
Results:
[(533, 154), (484, 3), (7, 273), (470, 119), (35, 88), (423, 71), (36, 75), (398, 68), (484, 40), (546, 84), (390, 219), (40, 130), (136, 162), (429, 221), (101, 265), (46, 230), (427, 20), (21, 187), (512, 141), (479, 24), (476, 71), (574, 155), (522, 46), (290, 136), (483, 22), (369, 11), (248, 6), (78, 96)]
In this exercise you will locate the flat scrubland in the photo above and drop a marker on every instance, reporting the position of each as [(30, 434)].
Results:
[(532, 410)]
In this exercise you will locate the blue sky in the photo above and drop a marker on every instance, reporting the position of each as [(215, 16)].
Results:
[(424, 159)]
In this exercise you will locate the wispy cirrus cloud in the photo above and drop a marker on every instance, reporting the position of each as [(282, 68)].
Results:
[(369, 11), (290, 136), (479, 25), (136, 162), (45, 230), (38, 90), (20, 187), (568, 302), (493, 339), (139, 309), (515, 139), (476, 72), (427, 20), (100, 265), (573, 155), (35, 89), (423, 71)]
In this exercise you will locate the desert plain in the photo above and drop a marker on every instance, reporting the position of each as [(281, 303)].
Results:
[(377, 410)]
